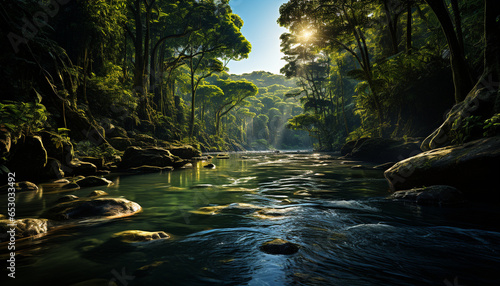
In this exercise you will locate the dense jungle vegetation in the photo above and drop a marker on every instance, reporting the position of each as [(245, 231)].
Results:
[(372, 68)]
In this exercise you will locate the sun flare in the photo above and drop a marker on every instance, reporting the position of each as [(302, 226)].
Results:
[(306, 35)]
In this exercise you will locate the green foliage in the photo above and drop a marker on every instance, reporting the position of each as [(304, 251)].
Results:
[(23, 117), (466, 129), (88, 149), (107, 95), (492, 126)]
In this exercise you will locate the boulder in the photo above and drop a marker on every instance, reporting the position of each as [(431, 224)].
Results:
[(150, 169), (115, 131), (28, 157), (77, 167), (53, 170), (385, 150), (279, 246), (185, 152), (20, 187), (97, 193), (92, 208), (70, 186), (432, 195), (474, 168), (93, 181), (152, 156), (98, 162), (134, 236), (121, 143), (24, 227), (67, 198)]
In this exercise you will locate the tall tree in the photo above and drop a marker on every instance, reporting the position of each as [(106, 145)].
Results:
[(461, 76)]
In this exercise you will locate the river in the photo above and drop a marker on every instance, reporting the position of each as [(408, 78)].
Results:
[(348, 233)]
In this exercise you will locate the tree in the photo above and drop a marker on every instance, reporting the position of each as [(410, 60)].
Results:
[(461, 76), (338, 25), (219, 36), (234, 92)]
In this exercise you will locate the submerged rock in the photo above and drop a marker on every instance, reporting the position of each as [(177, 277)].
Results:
[(93, 181), (23, 227), (433, 195), (93, 208), (133, 236), (279, 246), (474, 168)]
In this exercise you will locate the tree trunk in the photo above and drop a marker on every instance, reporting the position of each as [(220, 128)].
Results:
[(458, 24), (408, 28), (461, 76), (392, 26), (193, 98)]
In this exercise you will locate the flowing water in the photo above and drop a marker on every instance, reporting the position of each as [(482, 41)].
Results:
[(348, 233)]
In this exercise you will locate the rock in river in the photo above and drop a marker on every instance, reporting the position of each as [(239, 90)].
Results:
[(433, 195), (20, 187), (279, 246), (93, 181), (93, 208), (152, 156), (133, 236), (24, 227), (185, 152), (473, 167)]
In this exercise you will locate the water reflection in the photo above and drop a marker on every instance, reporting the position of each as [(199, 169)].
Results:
[(218, 218)]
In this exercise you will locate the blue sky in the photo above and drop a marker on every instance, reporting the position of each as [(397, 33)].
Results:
[(261, 29)]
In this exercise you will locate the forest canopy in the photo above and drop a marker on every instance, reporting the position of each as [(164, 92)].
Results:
[(85, 69), (371, 68)]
